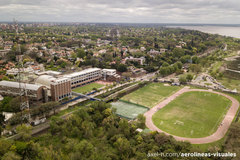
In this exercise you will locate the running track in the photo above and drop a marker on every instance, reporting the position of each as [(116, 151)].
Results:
[(221, 131)]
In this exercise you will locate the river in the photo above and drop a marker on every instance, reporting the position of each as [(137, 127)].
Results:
[(231, 31)]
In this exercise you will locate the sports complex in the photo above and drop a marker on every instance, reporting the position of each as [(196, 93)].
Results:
[(188, 114)]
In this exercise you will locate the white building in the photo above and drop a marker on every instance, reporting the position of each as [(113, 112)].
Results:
[(84, 77), (140, 60), (109, 72), (14, 71), (163, 50), (143, 49), (102, 51)]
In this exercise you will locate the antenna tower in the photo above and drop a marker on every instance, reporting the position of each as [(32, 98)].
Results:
[(24, 103)]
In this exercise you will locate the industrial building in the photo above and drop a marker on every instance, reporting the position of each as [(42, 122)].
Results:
[(84, 77), (34, 91)]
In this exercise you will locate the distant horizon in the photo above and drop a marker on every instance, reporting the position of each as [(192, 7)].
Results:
[(162, 23)]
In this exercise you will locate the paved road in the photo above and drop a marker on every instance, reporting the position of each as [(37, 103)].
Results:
[(236, 71), (221, 131)]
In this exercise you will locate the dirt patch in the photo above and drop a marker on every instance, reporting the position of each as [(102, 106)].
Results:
[(104, 82)]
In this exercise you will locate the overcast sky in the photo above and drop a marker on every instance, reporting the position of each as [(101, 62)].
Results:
[(133, 11)]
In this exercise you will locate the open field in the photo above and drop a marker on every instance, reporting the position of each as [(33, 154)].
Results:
[(128, 110), (87, 88), (193, 114), (151, 94), (230, 83), (216, 66)]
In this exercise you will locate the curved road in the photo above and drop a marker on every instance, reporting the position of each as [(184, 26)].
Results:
[(221, 131)]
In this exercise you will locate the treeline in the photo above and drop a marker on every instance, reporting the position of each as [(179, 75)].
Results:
[(95, 132), (43, 110), (91, 133), (167, 69)]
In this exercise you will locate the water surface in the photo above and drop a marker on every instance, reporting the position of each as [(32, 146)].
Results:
[(221, 30)]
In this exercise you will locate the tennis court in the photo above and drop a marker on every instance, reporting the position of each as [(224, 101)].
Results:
[(128, 110)]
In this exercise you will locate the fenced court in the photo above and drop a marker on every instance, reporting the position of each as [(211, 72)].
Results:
[(128, 110)]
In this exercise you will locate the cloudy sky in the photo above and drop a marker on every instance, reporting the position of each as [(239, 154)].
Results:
[(133, 11)]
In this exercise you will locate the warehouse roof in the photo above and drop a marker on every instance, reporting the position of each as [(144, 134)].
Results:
[(16, 85)]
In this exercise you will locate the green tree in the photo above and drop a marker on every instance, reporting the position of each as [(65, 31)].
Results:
[(178, 52), (24, 131), (182, 79), (2, 118), (195, 68), (195, 60), (14, 104), (4, 146), (179, 64), (11, 156), (81, 53), (165, 64), (123, 147), (232, 143), (164, 71), (122, 68), (141, 121), (4, 104), (189, 77), (74, 55)]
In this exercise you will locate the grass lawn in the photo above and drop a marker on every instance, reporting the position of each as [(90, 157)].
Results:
[(151, 94), (215, 67), (87, 88), (230, 83), (192, 114)]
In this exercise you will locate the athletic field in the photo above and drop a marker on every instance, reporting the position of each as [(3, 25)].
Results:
[(128, 110), (151, 95), (193, 114), (87, 88)]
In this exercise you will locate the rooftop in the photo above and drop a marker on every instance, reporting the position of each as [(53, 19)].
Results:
[(49, 73), (110, 70), (89, 70), (16, 85), (47, 80)]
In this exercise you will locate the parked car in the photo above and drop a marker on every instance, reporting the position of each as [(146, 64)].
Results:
[(38, 121)]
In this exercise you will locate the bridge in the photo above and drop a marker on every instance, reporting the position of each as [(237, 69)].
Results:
[(86, 96)]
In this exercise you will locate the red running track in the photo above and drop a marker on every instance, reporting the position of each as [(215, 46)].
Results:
[(221, 131)]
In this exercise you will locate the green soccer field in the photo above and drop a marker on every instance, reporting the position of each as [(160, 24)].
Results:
[(192, 114), (151, 95), (87, 88), (128, 110)]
